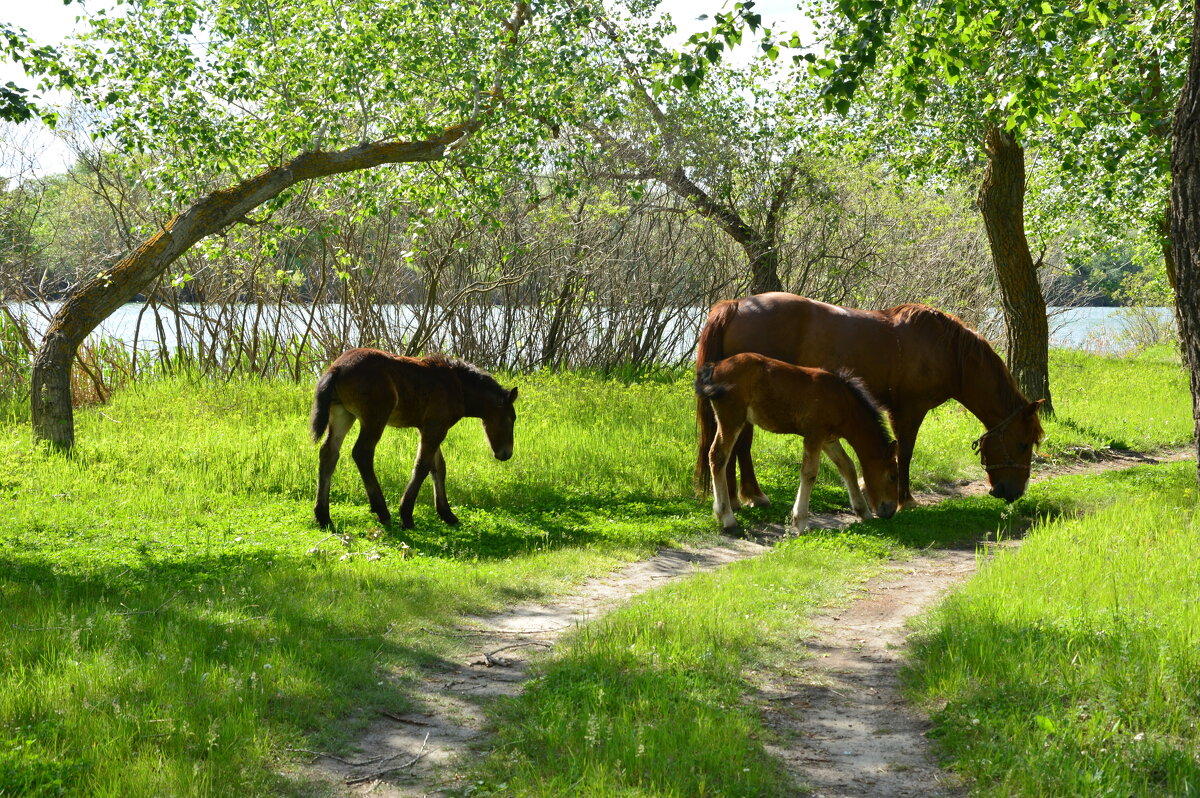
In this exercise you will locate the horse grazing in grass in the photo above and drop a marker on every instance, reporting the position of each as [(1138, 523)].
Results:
[(381, 390), (822, 407), (911, 358)]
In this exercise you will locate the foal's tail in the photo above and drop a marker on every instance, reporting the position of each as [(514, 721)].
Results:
[(706, 388), (709, 350), (319, 420)]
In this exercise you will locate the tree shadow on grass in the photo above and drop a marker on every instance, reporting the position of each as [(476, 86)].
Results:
[(214, 664)]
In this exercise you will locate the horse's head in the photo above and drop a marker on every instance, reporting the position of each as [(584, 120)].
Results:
[(498, 419), (881, 479), (1006, 451)]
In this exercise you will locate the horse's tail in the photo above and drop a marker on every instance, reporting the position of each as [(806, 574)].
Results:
[(705, 387), (709, 350), (319, 419)]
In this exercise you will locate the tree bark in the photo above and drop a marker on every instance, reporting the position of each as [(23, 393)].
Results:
[(1185, 216), (93, 301), (1002, 203), (761, 248)]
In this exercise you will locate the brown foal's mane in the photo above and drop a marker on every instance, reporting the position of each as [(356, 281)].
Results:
[(869, 402), (473, 378)]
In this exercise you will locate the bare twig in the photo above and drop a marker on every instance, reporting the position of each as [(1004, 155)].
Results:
[(322, 754), (401, 719), (379, 773), (490, 659)]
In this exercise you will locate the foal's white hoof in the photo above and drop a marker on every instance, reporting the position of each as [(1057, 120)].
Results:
[(797, 528)]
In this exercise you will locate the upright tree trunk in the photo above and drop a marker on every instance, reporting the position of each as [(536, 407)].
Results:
[(1168, 249), (1185, 216), (764, 263), (1002, 203)]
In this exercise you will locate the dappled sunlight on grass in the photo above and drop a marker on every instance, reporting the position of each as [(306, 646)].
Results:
[(1069, 667)]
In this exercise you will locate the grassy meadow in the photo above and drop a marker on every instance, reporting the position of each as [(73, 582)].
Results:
[(1072, 665), (174, 621)]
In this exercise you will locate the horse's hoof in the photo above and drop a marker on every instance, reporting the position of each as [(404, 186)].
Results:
[(730, 530), (757, 501), (449, 518), (322, 516)]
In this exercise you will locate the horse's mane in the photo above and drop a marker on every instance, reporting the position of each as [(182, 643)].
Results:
[(472, 377), (968, 346), (865, 397)]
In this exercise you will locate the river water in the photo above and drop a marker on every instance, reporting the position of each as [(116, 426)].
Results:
[(1095, 329)]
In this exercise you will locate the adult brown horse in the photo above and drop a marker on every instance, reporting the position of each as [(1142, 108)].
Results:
[(813, 403), (382, 390), (911, 358)]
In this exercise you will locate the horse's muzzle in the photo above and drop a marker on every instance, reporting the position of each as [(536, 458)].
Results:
[(503, 455), (886, 510), (1006, 492)]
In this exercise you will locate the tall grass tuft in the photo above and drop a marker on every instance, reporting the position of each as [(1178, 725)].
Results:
[(1072, 666)]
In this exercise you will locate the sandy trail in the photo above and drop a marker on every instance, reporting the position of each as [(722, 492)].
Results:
[(407, 755), (843, 727)]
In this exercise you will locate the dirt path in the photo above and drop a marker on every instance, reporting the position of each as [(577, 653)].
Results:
[(407, 755), (844, 728)]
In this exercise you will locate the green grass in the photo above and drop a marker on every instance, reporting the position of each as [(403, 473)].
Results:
[(648, 701), (173, 620), (1072, 666)]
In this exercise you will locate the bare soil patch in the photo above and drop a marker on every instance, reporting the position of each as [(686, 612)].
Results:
[(843, 727)]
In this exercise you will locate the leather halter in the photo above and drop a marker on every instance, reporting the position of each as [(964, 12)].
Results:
[(978, 442)]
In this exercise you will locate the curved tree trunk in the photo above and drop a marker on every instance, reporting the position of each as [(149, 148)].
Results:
[(93, 301), (1185, 216), (1002, 203)]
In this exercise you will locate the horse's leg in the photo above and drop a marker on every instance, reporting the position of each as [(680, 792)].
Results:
[(750, 492), (845, 467), (370, 431), (340, 421), (431, 441), (718, 459), (730, 474), (809, 467), (439, 488), (906, 425)]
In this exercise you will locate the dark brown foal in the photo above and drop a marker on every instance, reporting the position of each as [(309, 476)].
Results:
[(380, 390)]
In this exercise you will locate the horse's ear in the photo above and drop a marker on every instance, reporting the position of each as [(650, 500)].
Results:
[(512, 395), (1034, 407)]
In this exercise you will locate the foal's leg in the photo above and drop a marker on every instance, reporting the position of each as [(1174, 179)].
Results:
[(439, 488), (845, 467), (750, 492), (431, 441), (370, 431), (718, 458), (340, 421), (809, 467)]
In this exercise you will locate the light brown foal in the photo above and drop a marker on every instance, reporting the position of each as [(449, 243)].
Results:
[(750, 389)]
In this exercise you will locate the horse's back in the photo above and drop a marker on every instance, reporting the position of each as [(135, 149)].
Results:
[(807, 332), (393, 389), (782, 397)]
